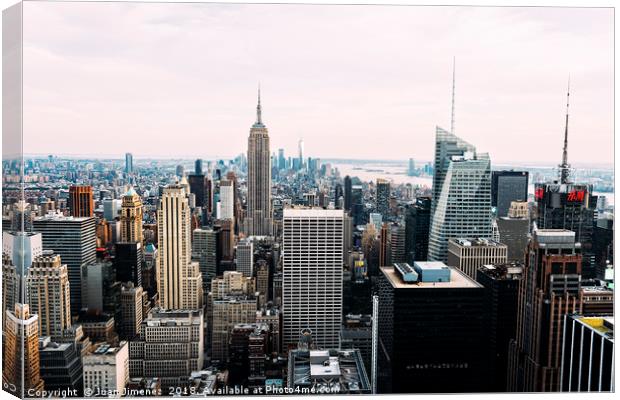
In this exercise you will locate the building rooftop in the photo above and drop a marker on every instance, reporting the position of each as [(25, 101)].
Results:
[(603, 325), (313, 212), (482, 242), (457, 278)]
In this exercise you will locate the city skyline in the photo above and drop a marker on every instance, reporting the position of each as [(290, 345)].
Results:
[(512, 84)]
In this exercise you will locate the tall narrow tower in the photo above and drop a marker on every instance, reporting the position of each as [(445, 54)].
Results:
[(565, 166), (179, 280), (131, 217), (259, 217)]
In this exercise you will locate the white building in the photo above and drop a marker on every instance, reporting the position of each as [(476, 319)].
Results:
[(227, 200), (170, 346), (461, 194), (106, 370), (245, 257), (312, 274)]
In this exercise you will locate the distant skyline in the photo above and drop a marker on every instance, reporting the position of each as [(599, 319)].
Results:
[(356, 82)]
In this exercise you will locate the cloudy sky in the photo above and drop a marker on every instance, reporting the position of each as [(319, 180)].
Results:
[(180, 80)]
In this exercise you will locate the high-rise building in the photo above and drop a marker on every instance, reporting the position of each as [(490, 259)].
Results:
[(60, 365), (430, 330), (262, 282), (506, 187), (312, 274), (501, 283), (385, 245), (603, 243), (300, 148), (245, 257), (131, 218), (348, 187), (467, 255), (106, 370), (74, 240), (588, 354), (514, 231), (128, 163), (197, 186), (281, 159), (227, 200), (20, 353), (198, 166), (170, 346), (48, 294), (461, 194), (131, 311), (564, 204), (204, 250), (383, 198), (81, 201), (357, 205), (398, 237), (180, 282), (128, 262), (417, 229), (21, 248), (548, 290), (100, 290), (259, 217)]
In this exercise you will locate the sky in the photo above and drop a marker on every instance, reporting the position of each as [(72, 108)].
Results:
[(358, 82)]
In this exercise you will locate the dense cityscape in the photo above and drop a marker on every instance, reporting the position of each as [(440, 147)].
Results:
[(273, 273)]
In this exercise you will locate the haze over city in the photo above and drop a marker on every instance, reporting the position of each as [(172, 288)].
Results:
[(179, 80)]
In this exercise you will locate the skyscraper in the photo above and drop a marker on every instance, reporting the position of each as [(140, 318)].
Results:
[(48, 294), (128, 163), (383, 198), (131, 217), (548, 290), (281, 159), (81, 201), (564, 204), (204, 250), (227, 200), (259, 216), (348, 185), (430, 330), (245, 257), (514, 230), (301, 153), (461, 194), (417, 228), (20, 355), (198, 167), (74, 240), (312, 275), (506, 187), (467, 255), (180, 283)]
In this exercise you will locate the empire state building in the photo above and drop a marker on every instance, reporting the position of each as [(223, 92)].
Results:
[(258, 221)]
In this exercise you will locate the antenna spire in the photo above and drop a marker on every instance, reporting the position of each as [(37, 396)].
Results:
[(453, 86), (565, 166), (258, 108)]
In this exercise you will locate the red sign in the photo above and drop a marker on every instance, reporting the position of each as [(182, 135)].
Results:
[(539, 194), (576, 195)]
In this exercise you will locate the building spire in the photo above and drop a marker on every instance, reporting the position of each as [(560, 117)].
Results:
[(565, 166), (258, 109), (453, 85)]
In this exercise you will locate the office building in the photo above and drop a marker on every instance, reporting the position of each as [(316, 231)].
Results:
[(227, 200), (588, 354), (21, 248), (461, 194), (506, 187), (81, 201), (417, 229), (204, 250), (398, 238), (548, 290), (262, 282), (357, 205), (60, 365), (106, 370), (468, 255), (245, 257), (327, 372), (131, 311), (131, 218), (74, 240), (348, 193), (198, 187), (312, 274), (48, 294), (431, 330), (128, 163), (383, 198), (259, 215), (271, 317), (170, 346), (128, 262), (100, 289), (501, 283), (514, 231), (20, 353), (180, 282)]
